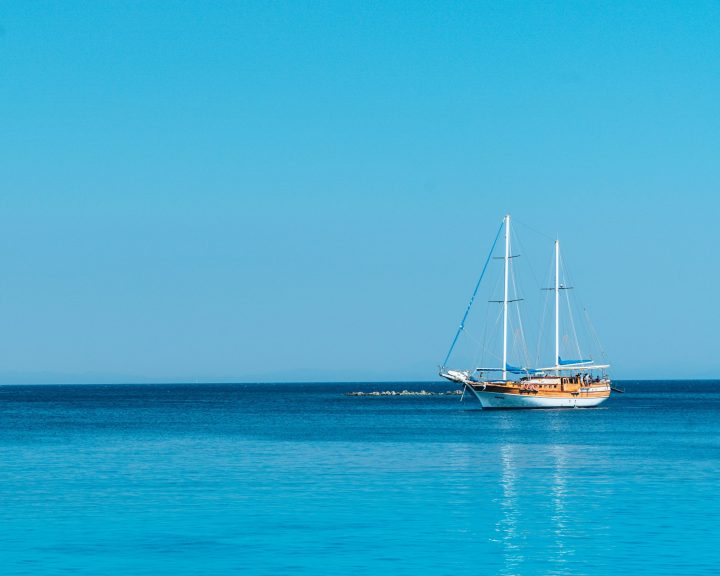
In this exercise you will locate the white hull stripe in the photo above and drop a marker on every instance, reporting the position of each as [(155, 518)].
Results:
[(500, 400)]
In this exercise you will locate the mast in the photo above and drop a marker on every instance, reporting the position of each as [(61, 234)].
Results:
[(557, 302), (505, 294)]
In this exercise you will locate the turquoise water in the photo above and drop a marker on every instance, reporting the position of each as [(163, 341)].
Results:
[(301, 479)]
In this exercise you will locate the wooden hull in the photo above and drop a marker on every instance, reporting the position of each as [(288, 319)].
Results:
[(513, 395)]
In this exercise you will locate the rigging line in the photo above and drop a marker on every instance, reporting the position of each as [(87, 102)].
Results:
[(480, 348), (488, 349), (594, 333), (533, 229), (481, 354), (484, 348), (523, 343), (541, 333), (492, 358), (497, 357), (521, 248), (570, 314), (587, 325), (486, 321), (474, 339), (496, 326), (545, 309), (569, 282), (572, 325), (472, 299), (486, 325)]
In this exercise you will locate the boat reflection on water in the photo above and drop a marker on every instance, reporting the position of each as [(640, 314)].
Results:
[(534, 522), (561, 553), (507, 526)]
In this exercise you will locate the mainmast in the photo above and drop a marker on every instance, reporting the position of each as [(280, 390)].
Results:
[(557, 302), (505, 296)]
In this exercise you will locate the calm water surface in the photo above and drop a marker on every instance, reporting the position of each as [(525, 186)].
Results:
[(301, 479)]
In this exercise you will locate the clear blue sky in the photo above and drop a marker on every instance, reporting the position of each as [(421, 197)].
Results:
[(282, 191)]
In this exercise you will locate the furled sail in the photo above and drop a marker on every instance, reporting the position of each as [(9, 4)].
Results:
[(518, 370), (562, 362)]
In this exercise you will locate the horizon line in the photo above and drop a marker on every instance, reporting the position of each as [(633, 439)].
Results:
[(287, 382)]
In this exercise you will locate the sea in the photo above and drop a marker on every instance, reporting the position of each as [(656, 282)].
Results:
[(295, 479)]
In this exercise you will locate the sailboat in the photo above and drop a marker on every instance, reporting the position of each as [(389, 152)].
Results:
[(580, 383)]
